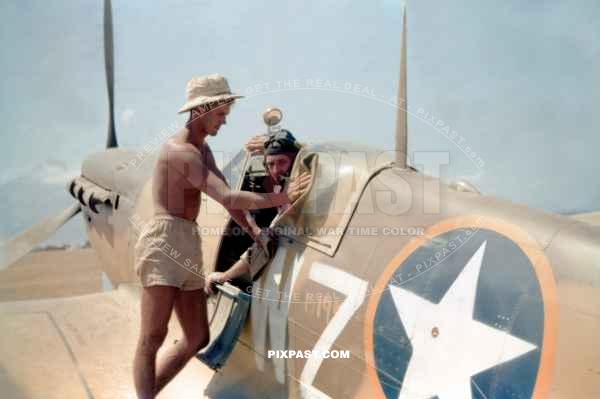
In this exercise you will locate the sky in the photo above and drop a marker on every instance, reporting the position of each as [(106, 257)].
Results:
[(517, 81)]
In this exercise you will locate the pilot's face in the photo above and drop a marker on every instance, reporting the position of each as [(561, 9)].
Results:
[(215, 118), (278, 165)]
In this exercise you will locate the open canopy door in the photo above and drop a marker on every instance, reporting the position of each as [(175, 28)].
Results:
[(227, 311)]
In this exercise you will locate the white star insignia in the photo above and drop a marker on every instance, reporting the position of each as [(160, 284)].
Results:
[(449, 346)]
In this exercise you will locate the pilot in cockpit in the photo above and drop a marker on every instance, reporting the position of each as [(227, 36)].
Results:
[(280, 151)]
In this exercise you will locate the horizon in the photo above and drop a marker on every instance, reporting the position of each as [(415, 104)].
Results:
[(509, 78)]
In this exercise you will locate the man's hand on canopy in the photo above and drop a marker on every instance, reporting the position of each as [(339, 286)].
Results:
[(256, 145), (298, 186)]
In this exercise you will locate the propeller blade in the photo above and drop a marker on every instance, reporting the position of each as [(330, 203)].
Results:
[(109, 55), (401, 116), (20, 245)]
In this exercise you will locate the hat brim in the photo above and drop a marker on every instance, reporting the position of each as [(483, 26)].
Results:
[(196, 102)]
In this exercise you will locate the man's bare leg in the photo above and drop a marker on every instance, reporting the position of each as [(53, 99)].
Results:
[(156, 307), (190, 307)]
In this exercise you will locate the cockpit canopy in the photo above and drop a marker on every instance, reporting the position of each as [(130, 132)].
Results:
[(340, 177)]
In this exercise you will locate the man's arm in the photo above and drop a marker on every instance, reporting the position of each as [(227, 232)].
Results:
[(189, 164), (238, 269), (241, 217), (256, 144), (212, 164), (245, 221)]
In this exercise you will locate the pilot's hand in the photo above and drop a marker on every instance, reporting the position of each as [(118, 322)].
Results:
[(213, 278), (298, 186), (256, 145)]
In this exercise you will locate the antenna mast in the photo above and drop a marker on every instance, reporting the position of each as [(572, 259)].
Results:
[(402, 116)]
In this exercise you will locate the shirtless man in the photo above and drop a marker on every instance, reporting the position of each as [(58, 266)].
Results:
[(186, 167)]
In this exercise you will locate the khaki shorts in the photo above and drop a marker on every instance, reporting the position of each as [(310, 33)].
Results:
[(168, 252)]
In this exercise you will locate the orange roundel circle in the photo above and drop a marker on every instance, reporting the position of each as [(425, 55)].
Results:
[(524, 242)]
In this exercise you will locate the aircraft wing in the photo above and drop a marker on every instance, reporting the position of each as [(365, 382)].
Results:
[(592, 218), (81, 347)]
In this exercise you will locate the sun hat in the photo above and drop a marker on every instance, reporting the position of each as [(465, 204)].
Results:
[(207, 89)]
